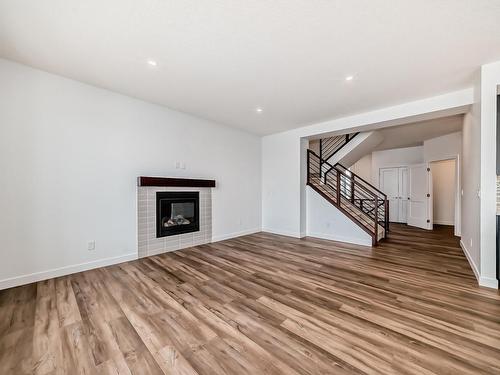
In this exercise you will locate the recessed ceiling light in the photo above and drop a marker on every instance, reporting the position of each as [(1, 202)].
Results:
[(349, 78), (259, 110), (152, 63)]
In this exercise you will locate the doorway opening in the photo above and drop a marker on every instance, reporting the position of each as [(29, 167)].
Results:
[(444, 182), (423, 195)]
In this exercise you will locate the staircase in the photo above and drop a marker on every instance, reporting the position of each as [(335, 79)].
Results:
[(364, 204), (331, 145)]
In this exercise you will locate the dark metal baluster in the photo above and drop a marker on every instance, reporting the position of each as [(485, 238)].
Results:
[(376, 219), (338, 188), (308, 166), (386, 208), (320, 155), (352, 189)]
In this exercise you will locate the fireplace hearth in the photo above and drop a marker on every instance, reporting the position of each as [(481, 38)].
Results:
[(177, 213)]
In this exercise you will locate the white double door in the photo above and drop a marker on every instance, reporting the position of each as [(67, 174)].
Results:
[(408, 190), (394, 183)]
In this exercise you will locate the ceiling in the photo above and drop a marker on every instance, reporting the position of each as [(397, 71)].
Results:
[(223, 59), (415, 134)]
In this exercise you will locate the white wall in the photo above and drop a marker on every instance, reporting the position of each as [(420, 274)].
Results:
[(326, 221), (479, 177), (490, 79), (443, 191), (448, 146), (69, 158), (471, 181), (363, 167), (471, 174), (282, 186), (398, 157)]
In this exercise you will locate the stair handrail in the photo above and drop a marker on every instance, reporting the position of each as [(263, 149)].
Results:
[(353, 177), (309, 151), (381, 195), (346, 175), (336, 202), (358, 182), (347, 138), (363, 180), (376, 198)]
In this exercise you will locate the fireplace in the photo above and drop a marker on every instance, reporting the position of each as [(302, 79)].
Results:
[(177, 213)]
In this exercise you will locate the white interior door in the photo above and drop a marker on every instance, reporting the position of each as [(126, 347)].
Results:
[(394, 183), (388, 181), (420, 202), (403, 194)]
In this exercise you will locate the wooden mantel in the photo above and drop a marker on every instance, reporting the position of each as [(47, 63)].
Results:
[(177, 182)]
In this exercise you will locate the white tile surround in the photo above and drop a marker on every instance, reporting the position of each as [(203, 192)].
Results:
[(146, 220)]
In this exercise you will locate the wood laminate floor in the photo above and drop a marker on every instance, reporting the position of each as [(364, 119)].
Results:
[(262, 304)]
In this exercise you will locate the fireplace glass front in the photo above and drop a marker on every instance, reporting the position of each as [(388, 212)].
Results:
[(177, 213)]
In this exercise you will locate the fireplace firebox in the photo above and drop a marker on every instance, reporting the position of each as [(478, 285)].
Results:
[(177, 213)]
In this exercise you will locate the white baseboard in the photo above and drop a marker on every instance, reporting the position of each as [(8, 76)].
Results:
[(355, 241), (488, 282), (63, 271), (471, 262), (483, 281), (284, 233), (235, 234), (444, 222), (67, 270)]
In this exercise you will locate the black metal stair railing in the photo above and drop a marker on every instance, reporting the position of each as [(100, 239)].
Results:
[(368, 205), (364, 204)]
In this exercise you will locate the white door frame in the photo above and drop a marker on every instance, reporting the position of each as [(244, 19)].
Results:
[(393, 199), (403, 202)]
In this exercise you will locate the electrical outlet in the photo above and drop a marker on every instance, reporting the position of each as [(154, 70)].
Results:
[(177, 165), (470, 243), (91, 246)]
